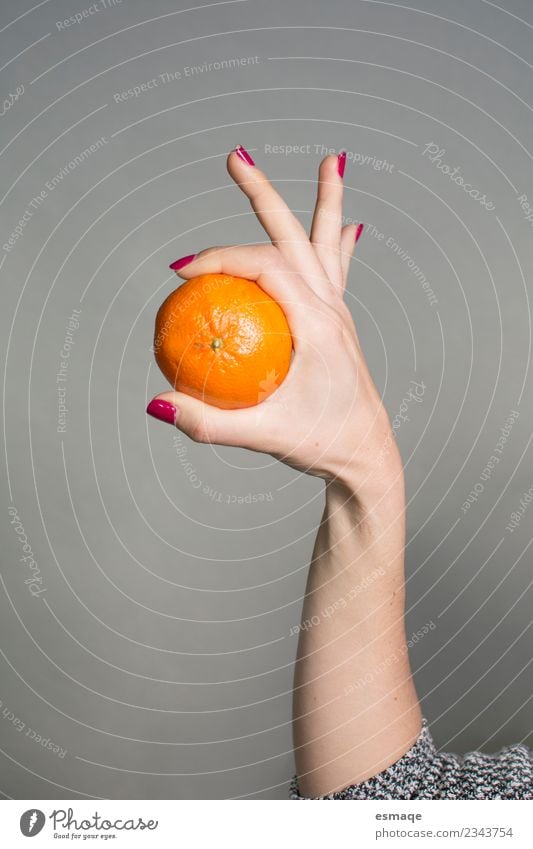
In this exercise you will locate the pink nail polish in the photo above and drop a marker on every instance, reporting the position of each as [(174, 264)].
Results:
[(162, 410), (358, 232), (341, 163), (243, 154), (179, 263)]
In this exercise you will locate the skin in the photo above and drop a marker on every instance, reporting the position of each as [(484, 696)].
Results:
[(355, 708)]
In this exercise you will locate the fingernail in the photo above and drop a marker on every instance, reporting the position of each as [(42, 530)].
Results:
[(162, 410), (359, 231), (341, 163), (179, 263), (244, 155)]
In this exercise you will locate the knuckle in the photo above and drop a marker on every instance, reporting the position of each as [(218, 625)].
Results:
[(270, 259), (328, 211), (261, 191), (338, 333), (199, 432), (333, 324), (208, 252)]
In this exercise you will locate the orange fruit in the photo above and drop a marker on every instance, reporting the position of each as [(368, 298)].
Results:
[(224, 340)]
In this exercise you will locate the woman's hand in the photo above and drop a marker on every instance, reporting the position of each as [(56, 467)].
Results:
[(327, 417)]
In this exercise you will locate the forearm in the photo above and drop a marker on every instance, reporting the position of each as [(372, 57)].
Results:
[(355, 706)]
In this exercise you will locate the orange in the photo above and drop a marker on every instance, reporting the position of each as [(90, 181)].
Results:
[(224, 340)]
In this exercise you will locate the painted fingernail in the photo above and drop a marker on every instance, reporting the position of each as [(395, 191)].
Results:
[(162, 410), (179, 263), (358, 232), (243, 154), (341, 163)]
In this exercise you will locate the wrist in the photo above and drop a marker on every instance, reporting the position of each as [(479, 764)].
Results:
[(370, 482), (366, 459), (371, 515)]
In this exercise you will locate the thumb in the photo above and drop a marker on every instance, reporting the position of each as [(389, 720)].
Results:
[(203, 422)]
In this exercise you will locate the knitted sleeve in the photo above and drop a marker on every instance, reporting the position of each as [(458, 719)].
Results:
[(425, 773)]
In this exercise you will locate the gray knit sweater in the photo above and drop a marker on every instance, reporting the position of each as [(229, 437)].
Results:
[(425, 773)]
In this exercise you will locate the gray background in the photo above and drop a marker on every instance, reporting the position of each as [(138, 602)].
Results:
[(159, 657)]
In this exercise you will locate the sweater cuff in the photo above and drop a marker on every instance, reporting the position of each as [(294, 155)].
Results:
[(402, 780)]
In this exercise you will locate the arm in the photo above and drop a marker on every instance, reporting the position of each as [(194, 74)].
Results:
[(326, 419), (355, 706)]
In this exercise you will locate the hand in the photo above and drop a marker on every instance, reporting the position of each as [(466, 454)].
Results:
[(327, 417)]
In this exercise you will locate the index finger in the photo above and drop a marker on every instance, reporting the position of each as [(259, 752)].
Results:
[(278, 221)]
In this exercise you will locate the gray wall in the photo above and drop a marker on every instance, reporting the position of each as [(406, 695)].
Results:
[(156, 655)]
